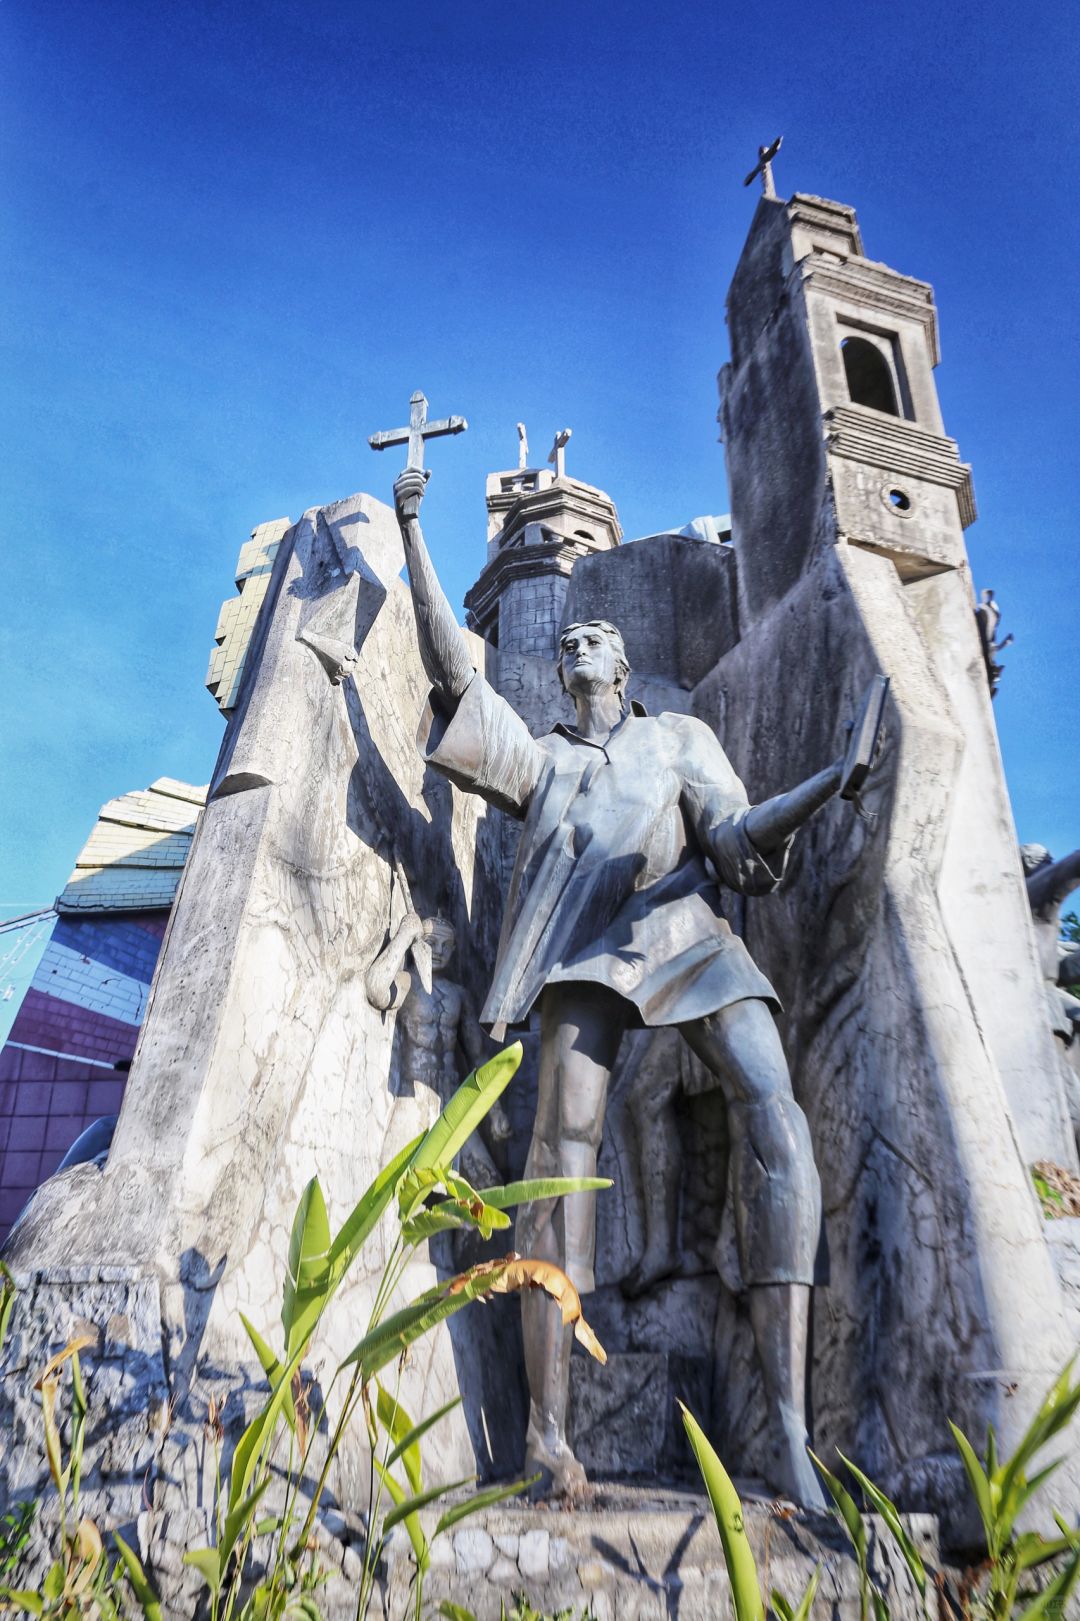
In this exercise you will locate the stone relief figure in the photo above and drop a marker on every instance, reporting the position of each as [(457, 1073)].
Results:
[(441, 1039), (613, 920), (1049, 883)]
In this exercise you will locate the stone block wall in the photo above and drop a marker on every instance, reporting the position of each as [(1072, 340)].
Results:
[(531, 614)]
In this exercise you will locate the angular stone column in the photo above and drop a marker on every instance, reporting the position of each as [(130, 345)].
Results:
[(900, 942), (261, 1061)]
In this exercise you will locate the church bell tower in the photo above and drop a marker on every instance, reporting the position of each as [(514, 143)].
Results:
[(539, 523)]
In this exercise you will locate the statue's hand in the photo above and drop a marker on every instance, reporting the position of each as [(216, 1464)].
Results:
[(409, 492), (412, 926)]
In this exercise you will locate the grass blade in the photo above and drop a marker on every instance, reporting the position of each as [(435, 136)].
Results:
[(890, 1515), (482, 1500), (728, 1509)]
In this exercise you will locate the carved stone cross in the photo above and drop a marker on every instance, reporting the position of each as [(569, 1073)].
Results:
[(764, 167), (557, 459), (418, 430)]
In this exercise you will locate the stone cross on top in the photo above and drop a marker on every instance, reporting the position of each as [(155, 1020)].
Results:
[(418, 430), (764, 167), (557, 459)]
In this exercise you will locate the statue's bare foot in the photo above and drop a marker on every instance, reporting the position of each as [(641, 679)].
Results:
[(548, 1454), (653, 1268), (790, 1473)]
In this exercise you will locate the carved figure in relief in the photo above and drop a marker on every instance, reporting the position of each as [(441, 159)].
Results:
[(1049, 883), (613, 920), (440, 1036)]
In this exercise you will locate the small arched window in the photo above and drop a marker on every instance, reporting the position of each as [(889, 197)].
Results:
[(869, 377)]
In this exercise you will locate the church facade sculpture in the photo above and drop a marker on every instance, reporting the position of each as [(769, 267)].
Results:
[(613, 920)]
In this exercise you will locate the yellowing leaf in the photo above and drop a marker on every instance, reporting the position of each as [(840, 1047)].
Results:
[(517, 1273)]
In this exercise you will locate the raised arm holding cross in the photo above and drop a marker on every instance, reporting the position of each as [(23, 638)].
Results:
[(418, 430)]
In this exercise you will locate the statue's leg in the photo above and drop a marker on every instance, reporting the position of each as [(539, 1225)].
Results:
[(580, 1030), (652, 1109), (777, 1195)]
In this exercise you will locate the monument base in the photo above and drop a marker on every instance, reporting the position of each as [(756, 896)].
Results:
[(634, 1553)]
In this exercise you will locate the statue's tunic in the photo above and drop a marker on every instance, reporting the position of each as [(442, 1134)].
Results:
[(610, 884)]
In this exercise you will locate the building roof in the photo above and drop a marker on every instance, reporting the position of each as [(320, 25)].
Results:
[(133, 859)]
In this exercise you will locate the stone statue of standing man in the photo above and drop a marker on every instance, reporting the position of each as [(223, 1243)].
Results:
[(630, 823)]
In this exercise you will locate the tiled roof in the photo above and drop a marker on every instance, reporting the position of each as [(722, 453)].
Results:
[(133, 858)]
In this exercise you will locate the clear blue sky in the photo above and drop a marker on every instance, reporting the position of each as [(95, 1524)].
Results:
[(238, 235)]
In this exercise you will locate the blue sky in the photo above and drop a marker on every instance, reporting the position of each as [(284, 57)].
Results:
[(239, 235)]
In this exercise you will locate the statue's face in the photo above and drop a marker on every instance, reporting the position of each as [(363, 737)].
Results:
[(441, 941), (587, 660)]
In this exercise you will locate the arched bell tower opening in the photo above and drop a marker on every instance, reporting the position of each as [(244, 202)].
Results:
[(869, 375)]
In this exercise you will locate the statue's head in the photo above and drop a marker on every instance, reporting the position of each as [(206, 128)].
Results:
[(1034, 856), (441, 938), (591, 658)]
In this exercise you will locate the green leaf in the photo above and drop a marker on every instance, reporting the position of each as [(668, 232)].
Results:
[(53, 1585), (881, 1609), (236, 1520), (136, 1575), (481, 1500), (468, 1106), (728, 1510), (420, 1546), (802, 1609), (542, 1187), (207, 1561), (1052, 1598), (362, 1219), (846, 1507), (783, 1609), (1030, 1549), (453, 1213), (23, 1599), (890, 1515), (411, 1437), (271, 1366), (307, 1284), (1055, 1413), (455, 1612), (399, 1426), (413, 1505), (258, 1433), (392, 1336), (980, 1487)]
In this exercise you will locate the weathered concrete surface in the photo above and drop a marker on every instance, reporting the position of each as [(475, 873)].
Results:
[(261, 1061)]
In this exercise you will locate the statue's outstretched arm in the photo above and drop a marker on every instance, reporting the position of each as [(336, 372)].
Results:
[(442, 645), (1051, 883), (770, 824)]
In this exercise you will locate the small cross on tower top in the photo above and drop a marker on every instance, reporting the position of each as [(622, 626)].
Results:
[(557, 459), (766, 154)]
